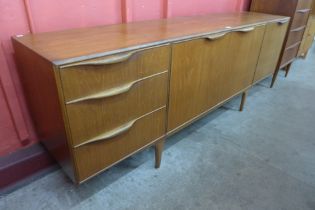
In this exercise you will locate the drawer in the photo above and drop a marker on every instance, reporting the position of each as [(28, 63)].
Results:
[(295, 35), (89, 77), (304, 4), (289, 54), (300, 18), (95, 157), (93, 116)]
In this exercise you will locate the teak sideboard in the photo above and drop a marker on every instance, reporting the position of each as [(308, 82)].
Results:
[(98, 95)]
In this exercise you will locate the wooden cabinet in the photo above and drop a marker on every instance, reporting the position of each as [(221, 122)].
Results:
[(210, 70), (299, 11), (99, 95)]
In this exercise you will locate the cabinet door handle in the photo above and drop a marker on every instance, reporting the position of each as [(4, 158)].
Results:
[(303, 10), (215, 36), (105, 61), (110, 134), (113, 91), (281, 22), (245, 30)]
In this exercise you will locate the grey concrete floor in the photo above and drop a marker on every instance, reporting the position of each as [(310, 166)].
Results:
[(262, 158)]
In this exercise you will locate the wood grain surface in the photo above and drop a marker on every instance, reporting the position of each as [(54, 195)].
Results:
[(95, 157), (206, 72), (84, 80), (270, 50), (80, 44), (102, 94), (89, 119)]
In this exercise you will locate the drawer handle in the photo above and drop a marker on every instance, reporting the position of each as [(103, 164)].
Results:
[(105, 61), (215, 36), (283, 22), (245, 30), (110, 134), (298, 29), (107, 93), (113, 91), (303, 10), (116, 131)]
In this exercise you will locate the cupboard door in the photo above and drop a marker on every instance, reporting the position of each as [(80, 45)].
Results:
[(195, 68), (207, 71), (241, 59), (270, 50)]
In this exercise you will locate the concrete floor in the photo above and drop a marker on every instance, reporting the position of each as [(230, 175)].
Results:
[(263, 158)]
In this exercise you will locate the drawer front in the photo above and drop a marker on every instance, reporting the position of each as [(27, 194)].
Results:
[(289, 54), (295, 36), (92, 117), (89, 77), (300, 19), (304, 4), (271, 49), (92, 158)]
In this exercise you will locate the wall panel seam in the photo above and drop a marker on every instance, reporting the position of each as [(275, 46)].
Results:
[(29, 16)]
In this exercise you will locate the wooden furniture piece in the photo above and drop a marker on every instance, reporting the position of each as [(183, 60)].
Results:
[(308, 37), (99, 95), (299, 11), (309, 34)]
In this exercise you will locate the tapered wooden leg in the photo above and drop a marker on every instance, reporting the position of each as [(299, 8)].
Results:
[(158, 152), (274, 78), (244, 95), (287, 69)]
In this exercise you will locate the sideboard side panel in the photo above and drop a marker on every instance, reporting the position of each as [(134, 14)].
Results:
[(40, 87)]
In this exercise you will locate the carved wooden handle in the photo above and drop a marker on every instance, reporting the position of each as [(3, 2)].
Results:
[(215, 36), (281, 22), (110, 134), (107, 93), (303, 10), (105, 61), (298, 29), (245, 30), (117, 131), (113, 91)]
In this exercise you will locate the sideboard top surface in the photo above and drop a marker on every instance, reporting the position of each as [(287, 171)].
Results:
[(74, 45)]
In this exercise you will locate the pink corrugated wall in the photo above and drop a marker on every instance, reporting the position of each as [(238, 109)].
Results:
[(33, 16)]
